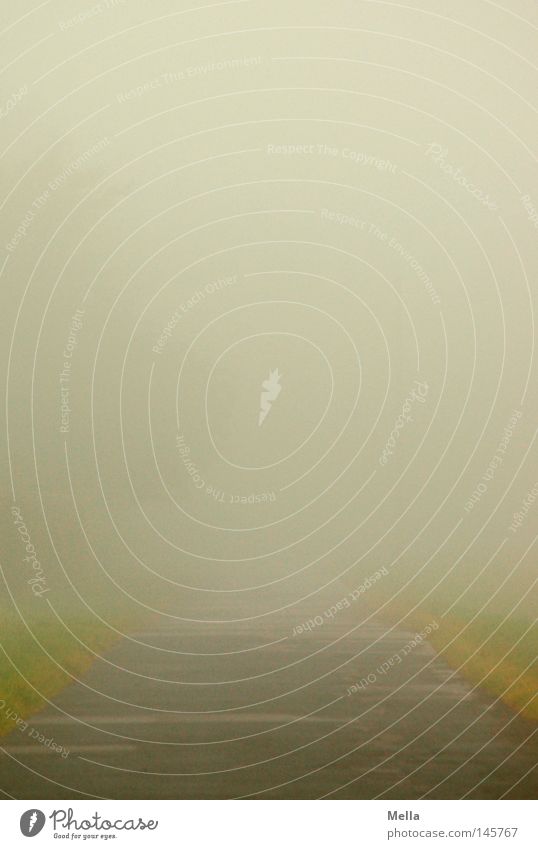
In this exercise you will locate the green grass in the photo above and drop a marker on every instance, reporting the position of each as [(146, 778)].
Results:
[(21, 657), (500, 657)]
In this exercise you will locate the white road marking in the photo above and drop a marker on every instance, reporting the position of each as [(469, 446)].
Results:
[(38, 749), (171, 719)]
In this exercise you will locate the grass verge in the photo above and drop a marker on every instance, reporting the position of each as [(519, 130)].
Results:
[(501, 657), (21, 657)]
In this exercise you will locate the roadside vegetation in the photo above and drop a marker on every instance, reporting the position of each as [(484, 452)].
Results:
[(499, 656), (29, 676)]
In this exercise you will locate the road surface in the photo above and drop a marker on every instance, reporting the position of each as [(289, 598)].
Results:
[(251, 710)]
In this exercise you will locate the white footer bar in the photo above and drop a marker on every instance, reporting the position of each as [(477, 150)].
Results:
[(270, 824)]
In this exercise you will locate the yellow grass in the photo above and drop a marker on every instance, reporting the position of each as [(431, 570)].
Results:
[(500, 657), (22, 658)]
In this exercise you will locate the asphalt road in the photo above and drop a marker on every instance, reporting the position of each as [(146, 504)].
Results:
[(249, 709)]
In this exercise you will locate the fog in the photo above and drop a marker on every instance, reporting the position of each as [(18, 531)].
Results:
[(175, 230)]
